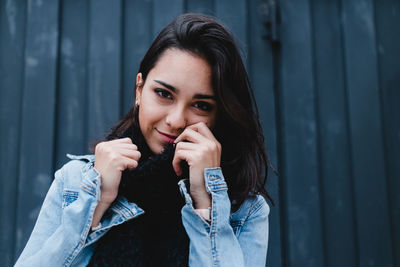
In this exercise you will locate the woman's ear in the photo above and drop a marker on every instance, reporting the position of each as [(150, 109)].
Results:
[(139, 86)]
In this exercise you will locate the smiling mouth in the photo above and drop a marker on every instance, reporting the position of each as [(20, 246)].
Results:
[(167, 137)]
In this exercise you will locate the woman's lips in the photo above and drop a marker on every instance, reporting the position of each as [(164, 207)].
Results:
[(167, 137)]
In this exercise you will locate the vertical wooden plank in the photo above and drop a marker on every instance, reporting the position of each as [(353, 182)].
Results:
[(161, 18), (38, 109), (137, 39), (203, 7), (261, 73), (234, 15), (12, 32), (387, 15), (373, 227), (72, 91), (339, 224), (299, 170), (104, 73)]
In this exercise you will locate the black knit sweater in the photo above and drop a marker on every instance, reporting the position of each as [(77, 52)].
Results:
[(156, 238)]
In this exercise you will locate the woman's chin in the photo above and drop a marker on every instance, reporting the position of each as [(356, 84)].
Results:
[(157, 148)]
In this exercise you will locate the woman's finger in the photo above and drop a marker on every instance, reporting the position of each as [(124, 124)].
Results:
[(186, 146), (132, 154), (180, 155), (191, 136), (203, 129), (126, 146), (129, 163), (125, 140)]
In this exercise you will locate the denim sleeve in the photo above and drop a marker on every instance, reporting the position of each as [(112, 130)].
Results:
[(216, 244), (253, 237), (59, 232)]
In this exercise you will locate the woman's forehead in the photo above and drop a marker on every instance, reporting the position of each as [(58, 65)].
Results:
[(183, 71)]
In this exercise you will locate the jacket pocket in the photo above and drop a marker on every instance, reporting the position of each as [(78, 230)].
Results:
[(69, 196)]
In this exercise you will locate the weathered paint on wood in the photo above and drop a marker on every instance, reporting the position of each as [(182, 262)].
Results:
[(388, 42), (161, 18), (12, 40), (71, 123), (137, 39), (38, 100), (328, 100), (368, 166), (104, 66), (204, 7), (36, 153), (335, 172), (261, 66), (304, 241), (234, 15)]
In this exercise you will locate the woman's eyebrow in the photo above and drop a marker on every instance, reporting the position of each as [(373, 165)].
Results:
[(170, 87), (173, 89), (201, 96)]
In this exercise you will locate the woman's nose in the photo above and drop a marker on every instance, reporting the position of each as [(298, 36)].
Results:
[(176, 118)]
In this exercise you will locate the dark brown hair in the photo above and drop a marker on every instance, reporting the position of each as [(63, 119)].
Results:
[(243, 160)]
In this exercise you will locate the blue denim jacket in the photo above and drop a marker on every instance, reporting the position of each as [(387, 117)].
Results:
[(61, 234)]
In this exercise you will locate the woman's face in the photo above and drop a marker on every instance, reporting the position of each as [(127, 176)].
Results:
[(177, 93)]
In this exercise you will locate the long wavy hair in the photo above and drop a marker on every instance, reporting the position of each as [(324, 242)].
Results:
[(243, 160)]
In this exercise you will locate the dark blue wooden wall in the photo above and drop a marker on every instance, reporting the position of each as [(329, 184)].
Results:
[(328, 93)]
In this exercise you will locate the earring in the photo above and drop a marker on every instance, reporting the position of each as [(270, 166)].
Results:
[(137, 102)]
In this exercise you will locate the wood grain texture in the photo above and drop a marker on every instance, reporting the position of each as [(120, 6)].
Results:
[(138, 21), (72, 94), (373, 227), (387, 15), (164, 11), (104, 67), (36, 153), (333, 150), (261, 71), (233, 14), (203, 7), (12, 32), (304, 243)]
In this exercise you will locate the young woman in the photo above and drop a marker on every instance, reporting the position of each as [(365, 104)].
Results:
[(179, 181)]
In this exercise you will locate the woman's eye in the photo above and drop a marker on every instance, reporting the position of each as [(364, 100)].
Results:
[(163, 93), (204, 106)]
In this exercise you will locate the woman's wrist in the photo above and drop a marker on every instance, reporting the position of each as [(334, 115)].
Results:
[(204, 213), (201, 200), (99, 212)]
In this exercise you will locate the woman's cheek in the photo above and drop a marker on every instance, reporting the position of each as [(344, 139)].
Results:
[(149, 116)]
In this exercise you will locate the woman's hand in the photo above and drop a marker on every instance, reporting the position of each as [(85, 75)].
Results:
[(111, 159), (199, 148)]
